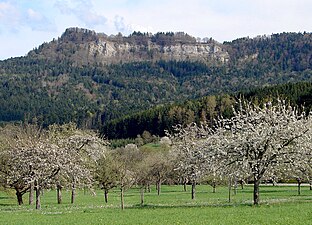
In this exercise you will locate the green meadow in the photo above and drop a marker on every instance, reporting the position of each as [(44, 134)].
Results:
[(279, 205)]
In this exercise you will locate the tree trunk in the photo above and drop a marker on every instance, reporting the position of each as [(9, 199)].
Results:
[(214, 185), (59, 194), (193, 189), (122, 198), (310, 186), (73, 194), (299, 185), (31, 188), (242, 184), (158, 186), (38, 192), (230, 185), (19, 196), (256, 191), (184, 184), (142, 196), (106, 195), (235, 185), (31, 193)]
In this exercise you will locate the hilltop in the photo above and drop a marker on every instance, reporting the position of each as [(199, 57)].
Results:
[(85, 47)]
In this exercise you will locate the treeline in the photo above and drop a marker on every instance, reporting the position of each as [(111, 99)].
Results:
[(162, 38), (205, 109)]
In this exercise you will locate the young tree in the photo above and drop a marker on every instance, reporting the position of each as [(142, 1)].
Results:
[(106, 173), (214, 179), (125, 159), (193, 155), (160, 168), (142, 172), (300, 171), (81, 149)]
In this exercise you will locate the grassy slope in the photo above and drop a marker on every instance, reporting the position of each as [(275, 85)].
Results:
[(280, 205)]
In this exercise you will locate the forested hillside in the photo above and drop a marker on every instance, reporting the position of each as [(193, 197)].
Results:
[(94, 79), (203, 110)]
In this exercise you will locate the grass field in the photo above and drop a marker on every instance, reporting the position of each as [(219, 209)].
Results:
[(279, 205)]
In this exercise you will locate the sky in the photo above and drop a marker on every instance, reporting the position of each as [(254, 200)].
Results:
[(25, 25)]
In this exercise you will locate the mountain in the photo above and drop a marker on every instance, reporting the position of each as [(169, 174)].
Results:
[(93, 78)]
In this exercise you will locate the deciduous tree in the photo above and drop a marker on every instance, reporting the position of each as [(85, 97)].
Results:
[(260, 139)]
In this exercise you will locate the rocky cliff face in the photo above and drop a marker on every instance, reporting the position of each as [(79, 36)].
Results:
[(84, 47), (108, 51)]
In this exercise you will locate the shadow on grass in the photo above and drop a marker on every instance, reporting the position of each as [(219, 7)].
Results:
[(264, 203), (6, 205), (6, 198), (155, 206)]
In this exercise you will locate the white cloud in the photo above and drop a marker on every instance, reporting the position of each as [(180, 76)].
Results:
[(14, 18), (82, 10), (9, 16), (34, 15), (224, 19), (127, 28), (38, 21), (219, 19), (121, 26)]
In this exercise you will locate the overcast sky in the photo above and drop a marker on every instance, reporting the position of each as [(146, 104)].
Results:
[(25, 24)]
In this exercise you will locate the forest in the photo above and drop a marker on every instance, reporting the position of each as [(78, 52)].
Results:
[(46, 89), (207, 109)]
